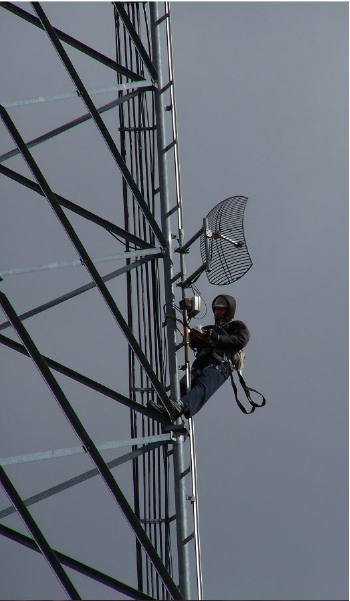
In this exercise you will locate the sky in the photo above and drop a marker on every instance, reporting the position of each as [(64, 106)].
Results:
[(262, 106)]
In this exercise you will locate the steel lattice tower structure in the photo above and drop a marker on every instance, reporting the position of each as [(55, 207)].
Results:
[(137, 131)]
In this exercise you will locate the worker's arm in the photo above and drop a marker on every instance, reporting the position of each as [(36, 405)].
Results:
[(237, 336), (200, 338)]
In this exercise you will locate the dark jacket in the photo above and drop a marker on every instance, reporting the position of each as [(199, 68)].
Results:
[(234, 336), (231, 337)]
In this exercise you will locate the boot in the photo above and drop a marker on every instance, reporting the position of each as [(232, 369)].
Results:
[(178, 406)]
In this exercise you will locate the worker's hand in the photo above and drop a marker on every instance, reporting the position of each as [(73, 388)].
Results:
[(185, 303), (208, 330), (199, 335)]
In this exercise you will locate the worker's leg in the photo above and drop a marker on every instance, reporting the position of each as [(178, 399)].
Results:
[(203, 385)]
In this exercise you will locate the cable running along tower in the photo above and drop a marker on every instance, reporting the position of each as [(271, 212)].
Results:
[(135, 134)]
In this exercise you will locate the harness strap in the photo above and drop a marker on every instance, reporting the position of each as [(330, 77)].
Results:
[(247, 391), (229, 366), (242, 408)]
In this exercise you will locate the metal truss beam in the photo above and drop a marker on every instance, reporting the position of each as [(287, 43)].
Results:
[(71, 206), (98, 122), (104, 446), (141, 86), (76, 292), (193, 277), (19, 12), (75, 240), (136, 39), (38, 536), (76, 565), (90, 447), (184, 248), (71, 124), (54, 490), (74, 375), (133, 254)]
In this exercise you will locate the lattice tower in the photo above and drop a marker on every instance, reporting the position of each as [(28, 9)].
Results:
[(120, 341)]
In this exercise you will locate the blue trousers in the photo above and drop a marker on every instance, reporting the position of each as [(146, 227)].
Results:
[(205, 381)]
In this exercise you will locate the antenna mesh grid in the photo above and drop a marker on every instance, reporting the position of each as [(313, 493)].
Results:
[(227, 262)]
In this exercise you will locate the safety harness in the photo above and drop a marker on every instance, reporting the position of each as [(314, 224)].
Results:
[(226, 364)]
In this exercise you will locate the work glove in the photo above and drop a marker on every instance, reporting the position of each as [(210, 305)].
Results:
[(202, 335)]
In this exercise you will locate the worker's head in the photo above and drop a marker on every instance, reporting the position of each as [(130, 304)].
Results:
[(224, 308)]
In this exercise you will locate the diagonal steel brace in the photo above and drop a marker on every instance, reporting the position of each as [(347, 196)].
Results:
[(75, 240), (38, 535), (19, 12), (76, 565), (99, 122), (89, 446), (136, 39)]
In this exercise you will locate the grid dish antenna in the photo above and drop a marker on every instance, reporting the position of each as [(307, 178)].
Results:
[(224, 252), (223, 240)]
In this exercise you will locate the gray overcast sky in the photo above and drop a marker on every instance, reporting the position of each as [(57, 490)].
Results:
[(262, 98), (262, 93)]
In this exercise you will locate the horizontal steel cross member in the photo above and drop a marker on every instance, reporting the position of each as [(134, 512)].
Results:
[(66, 95), (155, 252), (164, 438), (78, 121), (76, 292), (54, 490)]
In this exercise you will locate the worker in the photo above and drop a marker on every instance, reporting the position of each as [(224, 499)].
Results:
[(214, 347)]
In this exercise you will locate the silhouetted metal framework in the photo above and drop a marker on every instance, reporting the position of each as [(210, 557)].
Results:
[(143, 139)]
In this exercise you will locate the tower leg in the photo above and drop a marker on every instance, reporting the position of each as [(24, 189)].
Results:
[(179, 457)]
